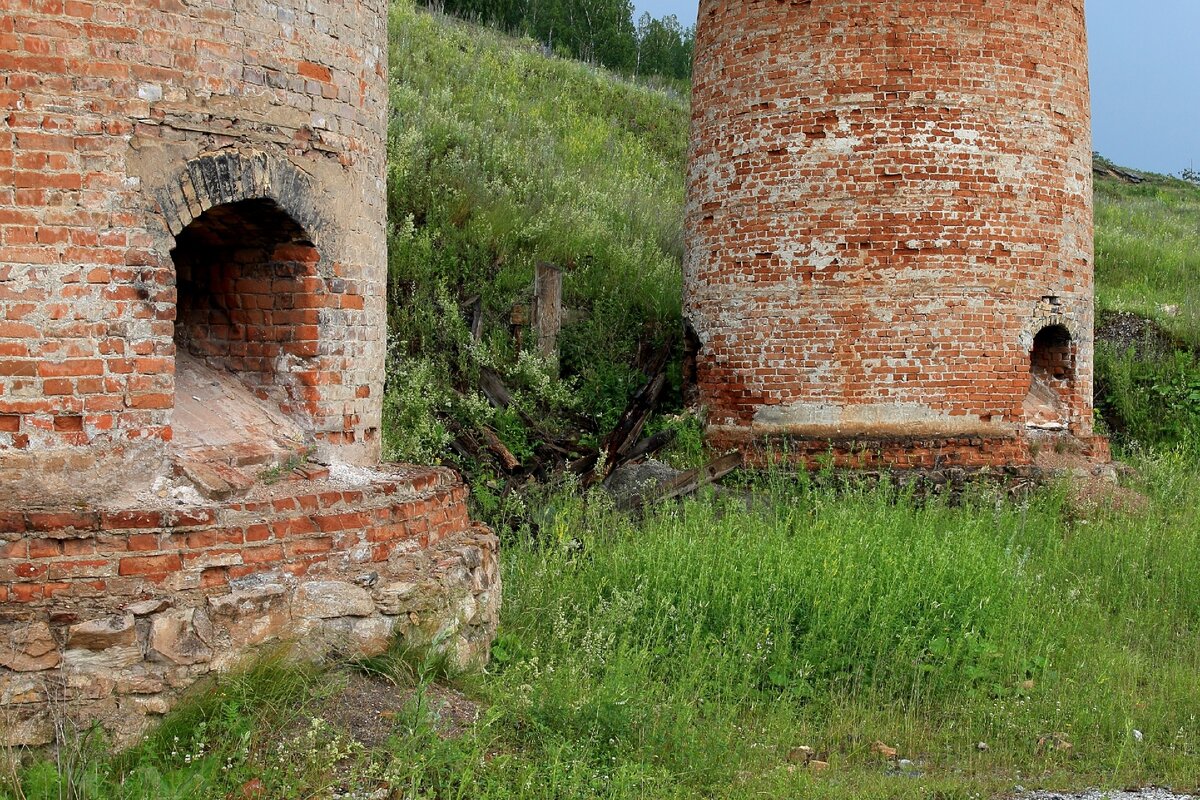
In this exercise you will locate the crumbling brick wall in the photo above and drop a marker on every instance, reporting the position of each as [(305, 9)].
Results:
[(123, 122), (887, 203), (108, 614)]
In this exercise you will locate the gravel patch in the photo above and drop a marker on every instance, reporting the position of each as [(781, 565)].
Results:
[(1124, 330)]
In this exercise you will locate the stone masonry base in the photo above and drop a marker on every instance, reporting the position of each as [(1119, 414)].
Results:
[(904, 452), (107, 615)]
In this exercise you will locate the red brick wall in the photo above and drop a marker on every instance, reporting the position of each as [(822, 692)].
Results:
[(93, 562), (886, 203), (121, 121)]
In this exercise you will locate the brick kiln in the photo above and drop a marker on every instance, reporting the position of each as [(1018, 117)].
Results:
[(192, 334), (889, 229)]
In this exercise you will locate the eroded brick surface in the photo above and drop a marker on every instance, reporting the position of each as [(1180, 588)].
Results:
[(887, 204), (123, 123)]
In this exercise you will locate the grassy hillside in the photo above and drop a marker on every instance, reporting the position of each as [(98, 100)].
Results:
[(692, 653), (1148, 251), (500, 158), (1147, 262)]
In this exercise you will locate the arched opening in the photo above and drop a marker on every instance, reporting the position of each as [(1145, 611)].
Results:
[(1051, 374), (246, 334)]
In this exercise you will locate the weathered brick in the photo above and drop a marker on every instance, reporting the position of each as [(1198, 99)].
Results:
[(150, 565)]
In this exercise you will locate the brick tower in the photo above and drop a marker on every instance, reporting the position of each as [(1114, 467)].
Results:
[(192, 303), (889, 228)]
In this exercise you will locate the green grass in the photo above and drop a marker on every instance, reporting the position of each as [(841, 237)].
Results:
[(686, 654), (1148, 251)]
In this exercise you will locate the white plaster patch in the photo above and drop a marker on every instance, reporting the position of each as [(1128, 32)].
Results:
[(906, 419)]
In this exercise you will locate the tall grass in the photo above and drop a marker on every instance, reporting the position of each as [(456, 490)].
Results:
[(1148, 251), (690, 653)]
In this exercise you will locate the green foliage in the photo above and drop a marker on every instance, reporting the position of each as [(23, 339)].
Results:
[(412, 407), (1153, 398), (598, 31)]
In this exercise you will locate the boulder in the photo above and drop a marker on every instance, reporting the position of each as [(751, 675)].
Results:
[(173, 639), (102, 661)]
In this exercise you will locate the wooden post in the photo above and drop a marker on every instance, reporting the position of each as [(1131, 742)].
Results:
[(547, 308)]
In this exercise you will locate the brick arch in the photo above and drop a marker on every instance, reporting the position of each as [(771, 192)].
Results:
[(1050, 317), (233, 176)]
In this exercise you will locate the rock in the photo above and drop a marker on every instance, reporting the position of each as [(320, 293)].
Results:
[(152, 705), (253, 789), (20, 688), (33, 731), (467, 609), (172, 638), (89, 684), (818, 766), (241, 602), (100, 634), (328, 599), (139, 681), (982, 747), (30, 648), (1054, 741), (394, 598), (102, 661), (203, 627), (251, 616), (632, 480), (147, 607), (800, 755), (372, 635), (883, 750)]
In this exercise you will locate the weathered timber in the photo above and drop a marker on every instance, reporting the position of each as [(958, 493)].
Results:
[(507, 460), (547, 308), (688, 482)]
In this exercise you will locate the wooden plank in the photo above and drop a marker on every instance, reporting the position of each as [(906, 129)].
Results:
[(547, 308), (493, 388), (648, 446)]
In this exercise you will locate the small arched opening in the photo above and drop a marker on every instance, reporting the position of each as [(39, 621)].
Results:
[(246, 333), (1051, 376)]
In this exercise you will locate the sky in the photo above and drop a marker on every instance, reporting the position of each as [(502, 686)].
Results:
[(1145, 78)]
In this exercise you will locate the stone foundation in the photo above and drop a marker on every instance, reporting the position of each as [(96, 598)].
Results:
[(903, 452), (109, 614)]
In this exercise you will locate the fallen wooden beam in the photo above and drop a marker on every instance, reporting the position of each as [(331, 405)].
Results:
[(507, 460), (648, 446), (689, 482)]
